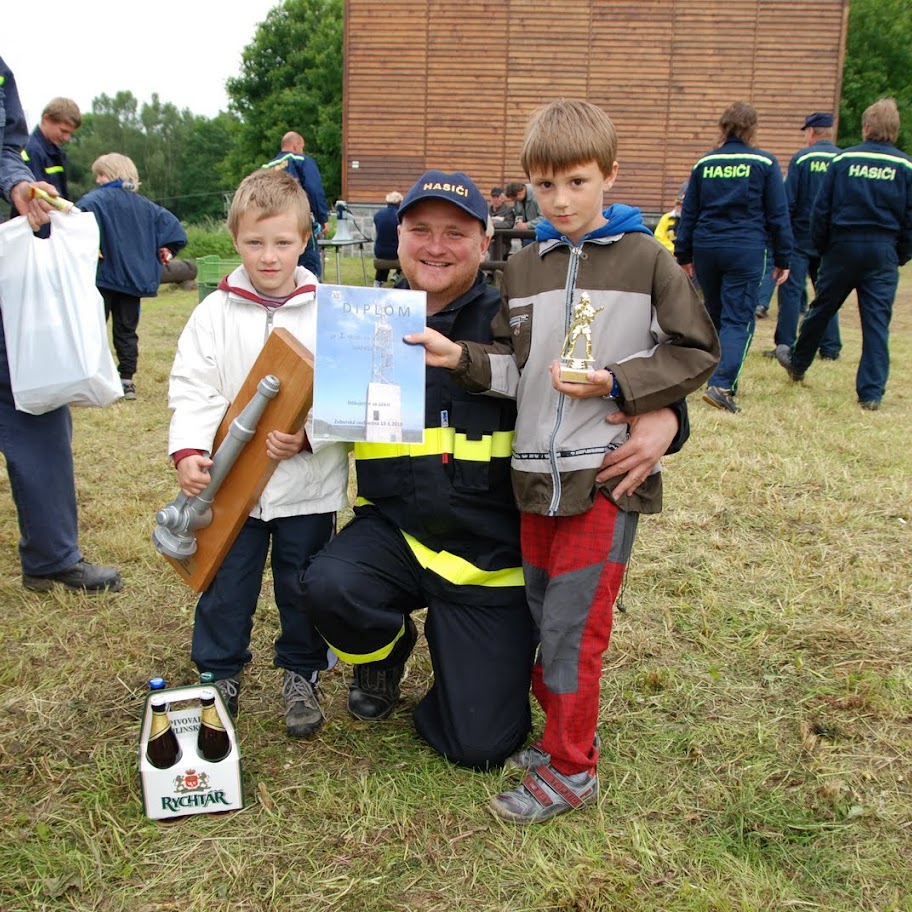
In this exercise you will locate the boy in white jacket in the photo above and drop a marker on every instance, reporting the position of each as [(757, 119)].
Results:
[(269, 221)]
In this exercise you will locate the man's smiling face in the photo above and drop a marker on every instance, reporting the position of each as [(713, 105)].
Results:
[(440, 249)]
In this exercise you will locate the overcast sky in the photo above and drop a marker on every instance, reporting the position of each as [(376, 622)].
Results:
[(83, 48)]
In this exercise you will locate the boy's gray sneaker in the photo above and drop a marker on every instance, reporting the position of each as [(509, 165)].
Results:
[(230, 689), (374, 690), (303, 715), (546, 793)]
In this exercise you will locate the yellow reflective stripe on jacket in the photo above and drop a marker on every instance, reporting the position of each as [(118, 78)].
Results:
[(453, 569), (54, 169), (458, 570), (438, 441), (362, 657), (25, 156)]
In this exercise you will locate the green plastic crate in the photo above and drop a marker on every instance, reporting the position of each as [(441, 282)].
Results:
[(210, 270)]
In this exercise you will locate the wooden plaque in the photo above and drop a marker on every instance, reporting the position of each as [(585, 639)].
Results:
[(286, 358)]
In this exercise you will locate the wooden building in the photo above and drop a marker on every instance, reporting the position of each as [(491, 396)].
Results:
[(437, 84)]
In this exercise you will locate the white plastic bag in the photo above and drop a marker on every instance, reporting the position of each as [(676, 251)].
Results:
[(53, 315)]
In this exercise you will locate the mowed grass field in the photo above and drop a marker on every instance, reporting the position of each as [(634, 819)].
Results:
[(756, 716)]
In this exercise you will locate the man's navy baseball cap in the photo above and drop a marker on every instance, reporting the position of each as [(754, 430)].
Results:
[(820, 119), (456, 188)]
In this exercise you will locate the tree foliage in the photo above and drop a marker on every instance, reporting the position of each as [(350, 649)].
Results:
[(878, 63), (179, 155), (291, 79)]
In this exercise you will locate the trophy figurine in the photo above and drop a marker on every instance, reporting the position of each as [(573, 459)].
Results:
[(573, 369)]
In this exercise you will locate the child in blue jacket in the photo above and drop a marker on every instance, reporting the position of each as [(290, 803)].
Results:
[(137, 236)]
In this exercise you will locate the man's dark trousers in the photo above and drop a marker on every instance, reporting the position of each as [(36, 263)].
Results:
[(791, 291), (870, 267), (39, 462)]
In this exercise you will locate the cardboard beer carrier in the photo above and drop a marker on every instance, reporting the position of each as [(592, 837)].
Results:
[(193, 785)]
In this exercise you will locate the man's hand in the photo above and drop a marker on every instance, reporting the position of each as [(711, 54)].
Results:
[(35, 210), (650, 436), (281, 446), (439, 351), (780, 275), (688, 270)]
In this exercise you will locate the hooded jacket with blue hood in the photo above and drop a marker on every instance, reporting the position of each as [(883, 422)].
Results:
[(651, 331)]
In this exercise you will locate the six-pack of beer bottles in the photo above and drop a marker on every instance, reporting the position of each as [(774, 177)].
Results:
[(212, 741)]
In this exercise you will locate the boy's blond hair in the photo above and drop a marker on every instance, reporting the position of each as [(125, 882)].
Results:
[(881, 120), (739, 119), (566, 133), (115, 166), (63, 110), (269, 192)]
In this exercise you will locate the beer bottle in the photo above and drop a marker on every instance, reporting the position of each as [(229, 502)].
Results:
[(163, 750), (212, 742)]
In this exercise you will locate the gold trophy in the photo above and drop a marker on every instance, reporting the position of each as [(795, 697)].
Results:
[(574, 370)]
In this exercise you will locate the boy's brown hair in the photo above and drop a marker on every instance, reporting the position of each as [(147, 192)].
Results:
[(63, 110), (566, 133), (270, 192), (881, 121), (739, 119)]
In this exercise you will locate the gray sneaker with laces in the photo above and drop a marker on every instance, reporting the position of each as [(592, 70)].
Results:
[(230, 689), (303, 715)]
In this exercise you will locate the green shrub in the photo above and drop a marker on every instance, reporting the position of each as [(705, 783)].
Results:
[(206, 238)]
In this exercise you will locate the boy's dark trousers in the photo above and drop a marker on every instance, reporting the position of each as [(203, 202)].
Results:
[(123, 309), (224, 613)]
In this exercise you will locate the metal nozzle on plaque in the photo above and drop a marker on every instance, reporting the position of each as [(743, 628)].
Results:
[(177, 522)]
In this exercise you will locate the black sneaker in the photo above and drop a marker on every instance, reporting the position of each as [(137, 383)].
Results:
[(870, 405), (129, 389), (721, 399), (82, 576), (825, 357), (761, 313), (374, 690), (303, 714), (784, 357)]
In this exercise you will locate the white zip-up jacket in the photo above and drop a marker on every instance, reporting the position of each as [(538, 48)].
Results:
[(215, 353)]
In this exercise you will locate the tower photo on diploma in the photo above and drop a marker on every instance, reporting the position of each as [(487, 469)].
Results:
[(368, 383)]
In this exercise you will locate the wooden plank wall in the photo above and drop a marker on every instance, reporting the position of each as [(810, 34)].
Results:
[(433, 84)]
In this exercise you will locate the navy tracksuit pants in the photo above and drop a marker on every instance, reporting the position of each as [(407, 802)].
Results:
[(730, 278), (791, 293), (39, 462), (869, 267), (481, 641)]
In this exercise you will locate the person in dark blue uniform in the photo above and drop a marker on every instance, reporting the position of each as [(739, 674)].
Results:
[(735, 206), (386, 235), (805, 176), (43, 153), (37, 448), (861, 224), (305, 171)]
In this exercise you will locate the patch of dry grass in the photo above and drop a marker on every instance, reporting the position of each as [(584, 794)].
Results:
[(756, 715)]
